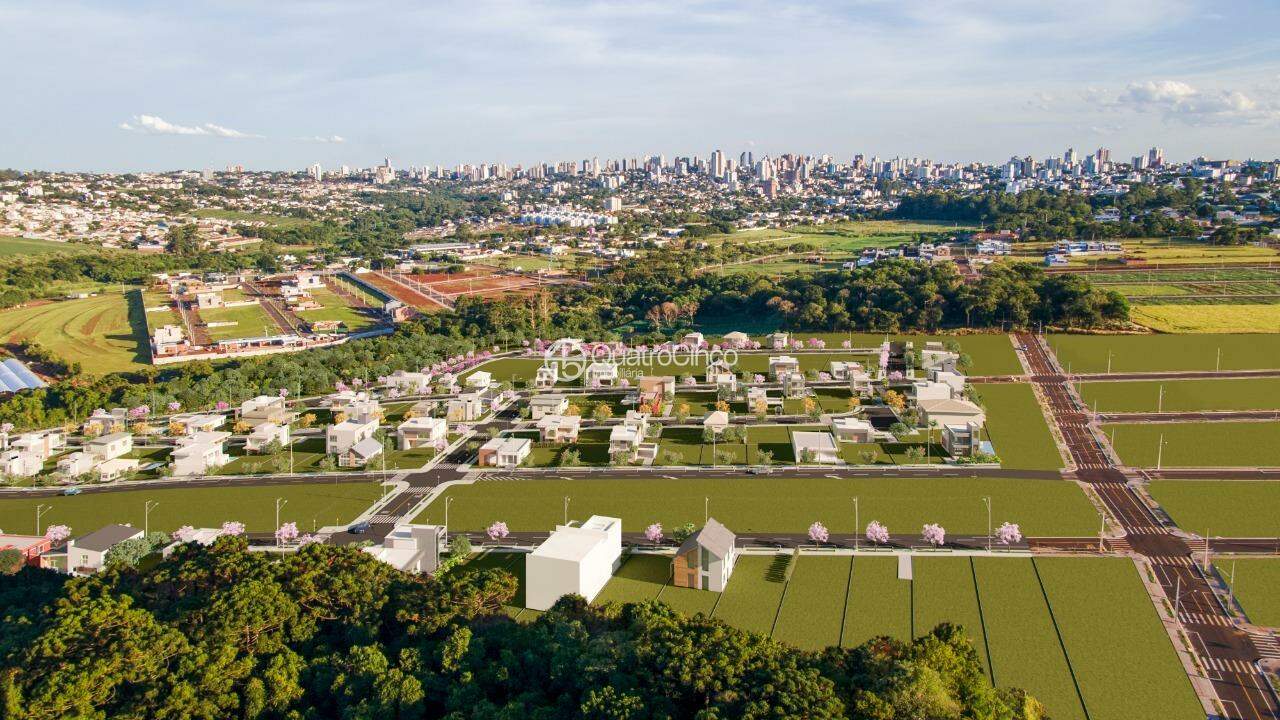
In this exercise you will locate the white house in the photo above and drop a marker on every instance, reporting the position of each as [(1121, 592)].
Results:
[(625, 439), (88, 554), (757, 395), (720, 373), (116, 468), (43, 443), (922, 390), (574, 560), (852, 429), (504, 452), (19, 463), (199, 453), (792, 384), (693, 340), (841, 370), (780, 365), (479, 379), (411, 547), (777, 341), (559, 428), (410, 383), (192, 423), (962, 440), (465, 408), (265, 408), (736, 339), (342, 437), (815, 447), (264, 434), (600, 374), (952, 379), (543, 405), (76, 464), (951, 412), (102, 421), (716, 420), (419, 432), (110, 446), (934, 355), (547, 376)]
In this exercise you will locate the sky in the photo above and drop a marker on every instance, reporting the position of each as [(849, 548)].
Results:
[(109, 85)]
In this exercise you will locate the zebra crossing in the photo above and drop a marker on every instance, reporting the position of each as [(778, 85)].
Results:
[(1232, 665), (1267, 645), (1195, 618), (383, 520), (1179, 560)]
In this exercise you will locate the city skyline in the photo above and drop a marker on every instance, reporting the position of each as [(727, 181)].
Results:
[(520, 83)]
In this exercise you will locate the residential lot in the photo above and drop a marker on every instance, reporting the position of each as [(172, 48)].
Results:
[(313, 504), (1212, 444), (1226, 508), (1209, 317), (1256, 580), (1150, 353), (1014, 610), (1182, 395), (768, 504), (1016, 427)]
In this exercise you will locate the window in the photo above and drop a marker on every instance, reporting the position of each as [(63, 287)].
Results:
[(706, 559)]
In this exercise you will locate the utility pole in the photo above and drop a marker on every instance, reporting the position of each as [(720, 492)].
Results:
[(1177, 598), (566, 509), (987, 501), (1102, 531), (1160, 399), (447, 502), (1109, 362), (856, 524), (146, 516), (280, 502), (41, 509), (1160, 451), (706, 510)]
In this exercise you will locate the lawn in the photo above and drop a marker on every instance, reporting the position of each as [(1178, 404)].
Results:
[(335, 308), (813, 608), (750, 602), (1208, 318), (776, 504), (249, 321), (992, 354), (640, 578), (1139, 353), (1226, 508), (1208, 444), (878, 602), (310, 505), (511, 562), (1110, 629), (1256, 580), (1182, 395), (104, 334), (945, 590), (32, 246), (1016, 427)]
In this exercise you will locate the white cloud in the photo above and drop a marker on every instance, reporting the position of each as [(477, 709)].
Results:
[(152, 125), (1179, 101), (323, 139)]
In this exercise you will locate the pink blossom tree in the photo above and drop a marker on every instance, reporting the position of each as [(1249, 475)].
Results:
[(934, 534), (174, 406), (284, 392), (186, 533), (308, 539), (139, 412), (1009, 533), (497, 530), (287, 533), (877, 533), (847, 344), (653, 533), (818, 533), (222, 405), (232, 528), (757, 378), (57, 534)]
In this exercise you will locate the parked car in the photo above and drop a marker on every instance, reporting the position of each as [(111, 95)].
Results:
[(760, 470), (359, 528), (73, 490)]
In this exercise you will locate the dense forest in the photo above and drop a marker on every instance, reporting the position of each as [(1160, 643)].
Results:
[(330, 632)]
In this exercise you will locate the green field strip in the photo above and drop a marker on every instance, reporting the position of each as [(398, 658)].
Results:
[(1121, 654), (1025, 651), (1256, 586), (878, 603), (812, 611), (1182, 395), (640, 578), (512, 562), (1197, 444), (943, 591), (1225, 508), (688, 601), (1017, 428), (1139, 353), (751, 599)]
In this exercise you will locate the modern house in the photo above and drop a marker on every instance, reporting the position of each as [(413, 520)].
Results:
[(840, 369), (42, 444), (693, 340), (757, 395), (705, 559), (815, 448), (192, 423), (504, 452), (855, 430), (559, 428), (600, 374), (962, 440), (574, 560), (625, 439), (199, 453), (780, 365), (265, 408), (31, 546), (361, 453), (793, 385), (467, 407), (922, 390), (88, 554), (951, 412), (110, 446), (116, 468), (479, 379), (410, 383), (543, 405), (547, 376), (716, 420), (76, 464), (419, 432), (102, 421), (18, 463), (720, 373), (264, 434), (736, 339), (934, 355), (340, 438), (950, 378), (652, 389), (412, 548), (777, 341)]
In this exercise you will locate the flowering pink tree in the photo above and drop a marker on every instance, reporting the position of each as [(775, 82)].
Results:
[(1008, 534), (884, 358), (497, 530), (757, 378), (624, 382), (818, 532), (222, 405), (877, 533), (896, 375), (340, 386), (139, 412), (847, 344), (824, 377), (934, 534), (287, 533), (653, 533), (284, 392), (233, 528), (174, 406), (308, 539), (57, 534), (690, 380), (186, 533)]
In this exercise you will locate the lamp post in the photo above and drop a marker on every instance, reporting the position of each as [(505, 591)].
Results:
[(146, 516), (856, 524), (280, 502), (566, 509), (1108, 362), (447, 502), (41, 509), (1160, 399), (986, 500), (1160, 452), (706, 510)]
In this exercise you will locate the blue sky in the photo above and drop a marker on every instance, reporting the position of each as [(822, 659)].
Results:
[(278, 84)]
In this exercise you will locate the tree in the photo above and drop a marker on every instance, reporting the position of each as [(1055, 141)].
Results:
[(818, 533), (602, 412), (869, 457), (934, 534), (877, 533), (11, 561), (570, 458), (682, 412)]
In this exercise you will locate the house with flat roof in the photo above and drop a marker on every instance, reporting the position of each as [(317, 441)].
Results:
[(855, 430), (200, 453), (264, 434), (116, 468), (812, 448), (693, 340), (504, 452), (343, 436), (192, 423), (625, 439), (706, 558), (19, 463), (757, 395), (652, 389), (962, 439), (265, 408), (410, 383), (840, 369), (600, 374), (950, 378), (543, 405), (735, 339), (88, 554), (922, 390), (110, 446), (76, 464), (780, 365), (479, 379), (935, 355), (104, 421), (559, 428), (574, 560), (467, 407), (411, 547), (41, 443), (777, 340), (793, 385), (419, 432), (720, 373)]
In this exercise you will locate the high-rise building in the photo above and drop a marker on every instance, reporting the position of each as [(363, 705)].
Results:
[(316, 172), (1155, 157)]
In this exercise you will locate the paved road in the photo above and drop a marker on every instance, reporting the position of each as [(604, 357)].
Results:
[(1177, 375), (1228, 654), (1182, 417)]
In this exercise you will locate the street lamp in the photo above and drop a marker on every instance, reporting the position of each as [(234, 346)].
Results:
[(566, 509), (41, 509), (1160, 452), (146, 516), (447, 502), (1160, 399), (856, 524), (706, 510), (280, 502), (986, 500)]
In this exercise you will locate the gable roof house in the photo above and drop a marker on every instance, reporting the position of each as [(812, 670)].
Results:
[(706, 558), (88, 554)]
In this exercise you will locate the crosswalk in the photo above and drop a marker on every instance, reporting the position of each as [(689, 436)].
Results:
[(1267, 645), (383, 520), (1195, 618), (1179, 560), (1229, 665)]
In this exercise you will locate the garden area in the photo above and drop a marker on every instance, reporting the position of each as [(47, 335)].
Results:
[(1016, 427)]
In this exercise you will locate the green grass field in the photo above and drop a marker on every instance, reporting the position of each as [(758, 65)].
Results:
[(103, 333), (1139, 353), (1016, 427), (280, 221), (1226, 508), (1182, 395), (1210, 444), (250, 321), (10, 246), (878, 602), (315, 504), (812, 615), (762, 504), (1109, 629), (335, 308), (1256, 581), (1210, 318)]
